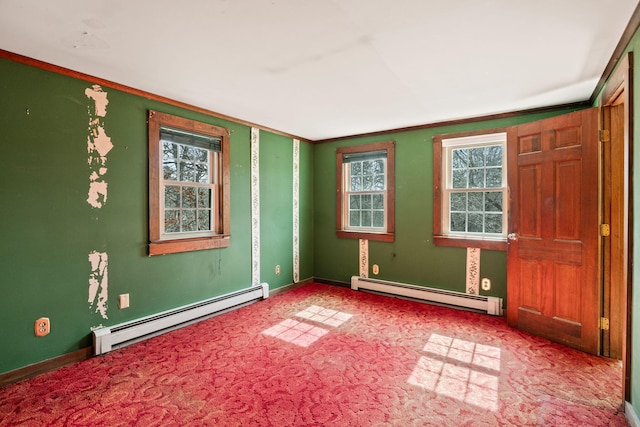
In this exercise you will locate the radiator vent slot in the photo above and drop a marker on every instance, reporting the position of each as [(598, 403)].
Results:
[(110, 338), (486, 304)]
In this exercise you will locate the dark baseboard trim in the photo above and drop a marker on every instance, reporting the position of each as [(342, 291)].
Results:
[(289, 287), (293, 286), (332, 282), (48, 365)]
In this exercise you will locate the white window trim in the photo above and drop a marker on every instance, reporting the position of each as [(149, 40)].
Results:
[(211, 185), (348, 192), (448, 145)]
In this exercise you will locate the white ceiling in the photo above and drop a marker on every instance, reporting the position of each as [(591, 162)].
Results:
[(327, 68)]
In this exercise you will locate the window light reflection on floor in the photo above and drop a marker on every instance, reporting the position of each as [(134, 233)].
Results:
[(323, 315), (304, 334), (299, 333), (461, 370)]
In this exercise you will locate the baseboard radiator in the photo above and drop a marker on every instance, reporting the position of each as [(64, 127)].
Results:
[(110, 338), (489, 305)]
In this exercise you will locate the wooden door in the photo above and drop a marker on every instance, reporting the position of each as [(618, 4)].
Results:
[(553, 268)]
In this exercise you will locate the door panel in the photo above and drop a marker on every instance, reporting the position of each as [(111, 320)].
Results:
[(553, 268), (531, 215)]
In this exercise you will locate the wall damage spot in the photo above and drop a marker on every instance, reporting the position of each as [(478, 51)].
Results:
[(98, 146), (100, 98), (473, 271), (99, 282)]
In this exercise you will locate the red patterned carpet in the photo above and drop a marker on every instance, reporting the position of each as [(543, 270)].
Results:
[(327, 356)]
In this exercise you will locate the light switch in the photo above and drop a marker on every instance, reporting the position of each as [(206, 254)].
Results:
[(123, 301)]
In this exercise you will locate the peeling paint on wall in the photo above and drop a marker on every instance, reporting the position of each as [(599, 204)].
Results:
[(98, 146), (296, 211), (99, 282), (363, 248), (255, 207), (473, 271)]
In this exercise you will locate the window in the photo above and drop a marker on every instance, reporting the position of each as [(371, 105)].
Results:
[(470, 190), (365, 191), (188, 185)]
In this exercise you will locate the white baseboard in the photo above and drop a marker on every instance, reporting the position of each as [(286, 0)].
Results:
[(631, 415)]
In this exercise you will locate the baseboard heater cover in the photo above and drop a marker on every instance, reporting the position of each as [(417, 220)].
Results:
[(110, 338), (490, 305)]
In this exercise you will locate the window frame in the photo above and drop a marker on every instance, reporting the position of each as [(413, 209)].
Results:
[(441, 236), (160, 244), (342, 204)]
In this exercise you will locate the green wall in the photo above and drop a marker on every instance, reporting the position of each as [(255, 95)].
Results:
[(49, 229), (412, 257)]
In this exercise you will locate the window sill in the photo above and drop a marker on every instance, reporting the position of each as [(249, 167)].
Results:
[(165, 247), (381, 237), (461, 242)]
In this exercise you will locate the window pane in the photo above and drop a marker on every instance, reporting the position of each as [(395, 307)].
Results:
[(458, 222), (475, 223), (366, 201), (459, 179), (189, 220), (171, 221), (202, 155), (459, 159), (379, 182), (202, 173), (204, 198), (493, 155), (204, 219), (494, 177), (170, 171), (356, 183), (476, 178), (476, 157), (356, 168), (378, 166), (458, 202), (475, 202), (367, 182), (493, 201), (187, 172), (187, 153), (354, 219), (188, 197), (378, 219), (169, 151), (171, 196), (366, 219), (493, 223), (354, 202), (367, 167), (378, 201)]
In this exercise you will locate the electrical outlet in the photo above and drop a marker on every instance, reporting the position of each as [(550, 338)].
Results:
[(42, 326), (376, 269), (277, 270), (486, 284), (123, 301)]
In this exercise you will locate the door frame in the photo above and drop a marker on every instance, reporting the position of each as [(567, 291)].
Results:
[(619, 90)]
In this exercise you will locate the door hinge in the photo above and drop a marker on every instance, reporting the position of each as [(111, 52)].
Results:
[(605, 230), (603, 135), (604, 323)]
